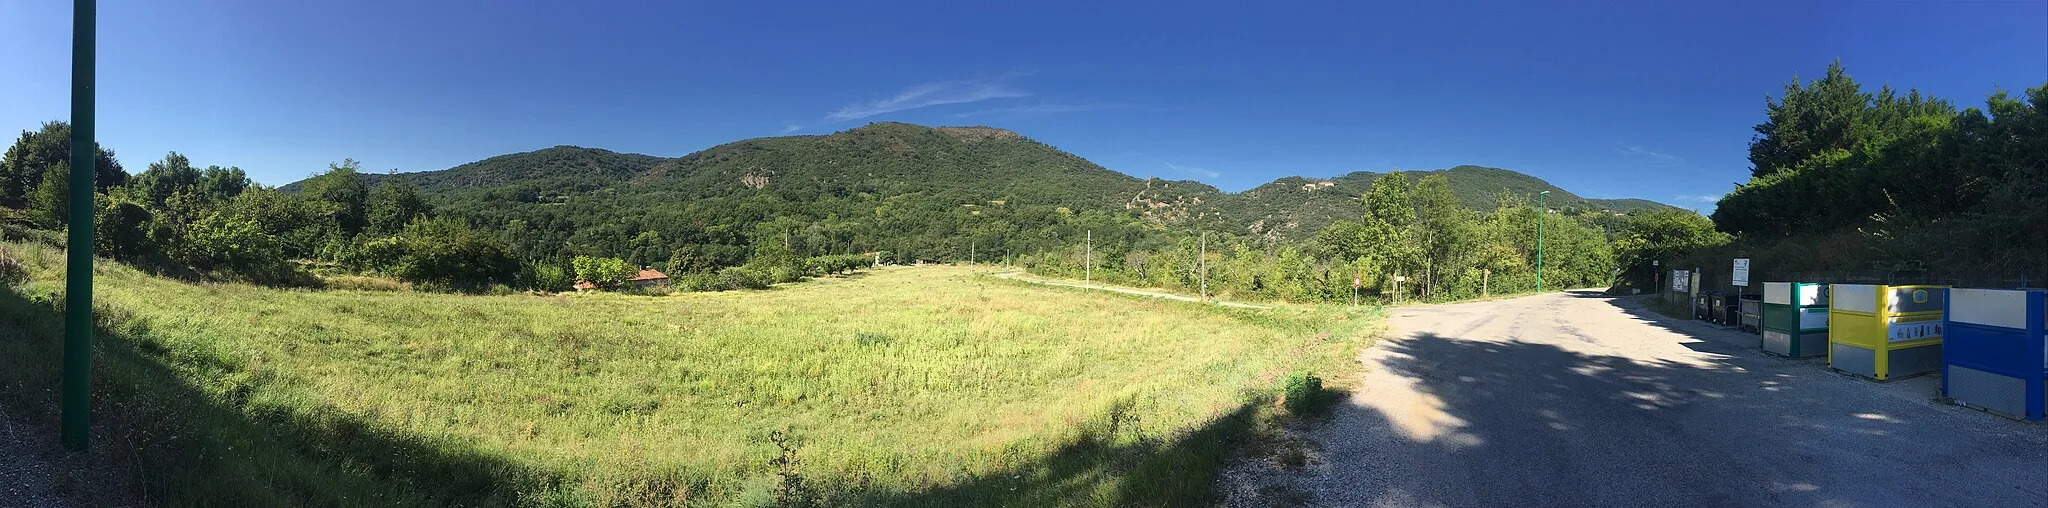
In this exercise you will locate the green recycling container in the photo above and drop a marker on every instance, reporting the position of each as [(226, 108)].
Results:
[(1795, 319)]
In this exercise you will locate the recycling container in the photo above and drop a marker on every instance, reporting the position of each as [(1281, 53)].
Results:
[(1751, 310), (1719, 308), (1885, 332), (1995, 355), (1703, 306), (1795, 319)]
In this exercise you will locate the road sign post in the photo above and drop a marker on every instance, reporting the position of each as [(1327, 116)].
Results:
[(76, 421)]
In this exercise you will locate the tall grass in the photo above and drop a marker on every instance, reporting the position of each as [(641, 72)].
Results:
[(912, 386)]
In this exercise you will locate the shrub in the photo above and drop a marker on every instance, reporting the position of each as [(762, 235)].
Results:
[(736, 278), (1302, 393)]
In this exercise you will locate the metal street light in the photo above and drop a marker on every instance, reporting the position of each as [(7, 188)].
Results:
[(1540, 212)]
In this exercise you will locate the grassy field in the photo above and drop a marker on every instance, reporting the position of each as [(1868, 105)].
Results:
[(932, 386)]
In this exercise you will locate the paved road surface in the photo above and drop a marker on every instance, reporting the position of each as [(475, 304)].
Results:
[(1581, 400)]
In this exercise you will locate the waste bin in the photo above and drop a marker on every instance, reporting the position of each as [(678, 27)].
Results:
[(1795, 319), (1703, 305), (1751, 308), (1717, 308), (1885, 332), (1995, 355)]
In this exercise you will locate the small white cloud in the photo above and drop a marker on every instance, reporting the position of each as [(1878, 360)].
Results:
[(1701, 198), (1658, 158), (1039, 109), (931, 94), (1194, 170), (791, 127)]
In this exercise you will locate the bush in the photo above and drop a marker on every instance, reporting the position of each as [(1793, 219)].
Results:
[(736, 278), (1302, 394)]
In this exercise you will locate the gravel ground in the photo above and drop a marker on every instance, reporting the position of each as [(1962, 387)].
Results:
[(28, 469), (1582, 400)]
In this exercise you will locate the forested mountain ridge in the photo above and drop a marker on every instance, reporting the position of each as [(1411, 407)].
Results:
[(969, 167)]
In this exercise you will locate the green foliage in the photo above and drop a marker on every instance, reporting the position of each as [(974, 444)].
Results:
[(172, 175), (121, 230), (232, 243), (441, 252), (31, 156), (1302, 393), (391, 206), (342, 195), (546, 275), (1923, 184), (50, 205), (604, 272)]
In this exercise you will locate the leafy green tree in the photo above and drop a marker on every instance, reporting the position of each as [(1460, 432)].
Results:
[(221, 184), (604, 272), (225, 241), (31, 156), (121, 230), (393, 205), (443, 252), (342, 195), (172, 175), (50, 205)]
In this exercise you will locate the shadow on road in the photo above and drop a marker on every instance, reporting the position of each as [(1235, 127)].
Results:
[(1512, 423)]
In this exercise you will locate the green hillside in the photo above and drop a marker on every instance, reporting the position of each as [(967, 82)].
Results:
[(929, 192)]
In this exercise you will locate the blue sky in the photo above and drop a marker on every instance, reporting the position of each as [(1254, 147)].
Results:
[(1607, 99)]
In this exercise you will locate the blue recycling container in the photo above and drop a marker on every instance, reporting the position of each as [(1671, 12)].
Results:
[(1995, 354)]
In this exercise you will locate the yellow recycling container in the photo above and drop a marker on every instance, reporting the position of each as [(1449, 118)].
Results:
[(1885, 332)]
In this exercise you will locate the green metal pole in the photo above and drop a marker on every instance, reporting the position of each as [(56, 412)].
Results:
[(77, 418), (1540, 212)]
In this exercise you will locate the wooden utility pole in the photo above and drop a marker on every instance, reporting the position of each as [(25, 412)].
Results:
[(1202, 260), (970, 251), (1088, 272), (1484, 275)]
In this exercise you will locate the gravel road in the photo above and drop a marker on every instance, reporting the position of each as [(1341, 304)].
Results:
[(1583, 400)]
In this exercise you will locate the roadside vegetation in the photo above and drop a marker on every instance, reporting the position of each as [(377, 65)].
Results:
[(1893, 182), (937, 386)]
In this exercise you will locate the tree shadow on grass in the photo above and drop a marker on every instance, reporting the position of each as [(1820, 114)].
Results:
[(1456, 421), (165, 441)]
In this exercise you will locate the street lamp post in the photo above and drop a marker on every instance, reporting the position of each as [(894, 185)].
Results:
[(1540, 212)]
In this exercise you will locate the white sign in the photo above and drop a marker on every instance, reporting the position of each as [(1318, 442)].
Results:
[(1742, 272), (1398, 278), (1915, 330), (1680, 280)]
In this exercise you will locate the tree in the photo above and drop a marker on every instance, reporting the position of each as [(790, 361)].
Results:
[(228, 242), (121, 230), (603, 272), (393, 205), (342, 194), (31, 156), (50, 205), (172, 175), (221, 184), (442, 252)]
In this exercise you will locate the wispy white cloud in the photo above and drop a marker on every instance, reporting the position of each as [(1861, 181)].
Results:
[(791, 127), (1658, 158), (1039, 109), (1194, 170), (932, 94)]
